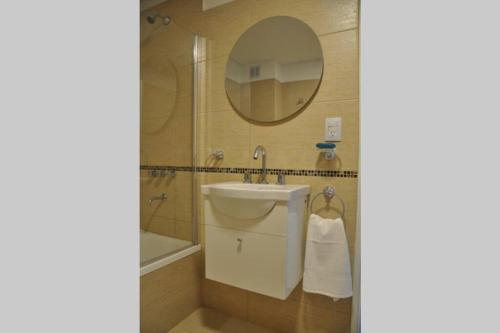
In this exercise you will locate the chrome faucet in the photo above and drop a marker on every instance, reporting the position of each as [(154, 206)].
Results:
[(260, 150)]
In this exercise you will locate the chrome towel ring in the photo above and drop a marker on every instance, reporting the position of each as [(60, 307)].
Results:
[(328, 193)]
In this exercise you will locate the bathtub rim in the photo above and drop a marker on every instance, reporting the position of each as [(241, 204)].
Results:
[(168, 259)]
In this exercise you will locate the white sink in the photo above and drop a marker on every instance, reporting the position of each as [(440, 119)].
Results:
[(255, 191), (250, 201)]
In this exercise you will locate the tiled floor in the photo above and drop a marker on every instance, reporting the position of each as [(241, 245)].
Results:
[(205, 320)]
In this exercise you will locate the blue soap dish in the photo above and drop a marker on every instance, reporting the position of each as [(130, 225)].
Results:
[(328, 149)]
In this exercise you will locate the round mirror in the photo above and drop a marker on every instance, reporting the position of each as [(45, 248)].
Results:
[(274, 69)]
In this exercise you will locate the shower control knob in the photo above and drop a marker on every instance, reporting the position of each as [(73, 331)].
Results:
[(218, 154)]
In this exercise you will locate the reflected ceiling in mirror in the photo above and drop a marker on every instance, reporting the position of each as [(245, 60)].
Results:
[(274, 69)]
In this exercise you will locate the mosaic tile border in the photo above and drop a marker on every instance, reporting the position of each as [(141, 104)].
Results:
[(288, 172)]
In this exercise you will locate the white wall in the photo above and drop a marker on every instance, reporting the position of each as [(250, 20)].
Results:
[(304, 70)]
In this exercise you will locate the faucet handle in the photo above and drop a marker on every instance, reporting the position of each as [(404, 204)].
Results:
[(218, 154), (247, 178), (281, 179)]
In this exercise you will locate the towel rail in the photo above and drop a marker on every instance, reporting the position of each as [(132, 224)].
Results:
[(328, 193)]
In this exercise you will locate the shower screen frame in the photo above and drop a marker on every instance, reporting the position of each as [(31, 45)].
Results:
[(197, 56)]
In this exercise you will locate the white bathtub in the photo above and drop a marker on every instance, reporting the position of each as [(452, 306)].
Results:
[(158, 250)]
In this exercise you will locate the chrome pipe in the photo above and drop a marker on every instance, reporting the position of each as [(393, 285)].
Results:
[(162, 197)]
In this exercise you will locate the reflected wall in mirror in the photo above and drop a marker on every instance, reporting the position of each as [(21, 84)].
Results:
[(274, 69), (158, 92)]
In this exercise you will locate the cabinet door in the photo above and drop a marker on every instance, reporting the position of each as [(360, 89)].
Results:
[(247, 260)]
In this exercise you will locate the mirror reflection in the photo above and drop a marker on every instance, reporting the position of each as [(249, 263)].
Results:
[(274, 69), (158, 92)]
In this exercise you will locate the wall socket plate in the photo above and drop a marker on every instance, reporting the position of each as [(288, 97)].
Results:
[(333, 129)]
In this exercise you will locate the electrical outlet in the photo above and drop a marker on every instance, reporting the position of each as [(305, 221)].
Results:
[(333, 129)]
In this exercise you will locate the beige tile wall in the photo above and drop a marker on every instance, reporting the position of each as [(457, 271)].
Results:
[(170, 294), (167, 139), (172, 217), (256, 99), (290, 144)]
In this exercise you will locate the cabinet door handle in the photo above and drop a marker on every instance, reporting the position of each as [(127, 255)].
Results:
[(239, 239)]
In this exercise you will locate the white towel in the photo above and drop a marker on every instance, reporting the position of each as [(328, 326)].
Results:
[(327, 269)]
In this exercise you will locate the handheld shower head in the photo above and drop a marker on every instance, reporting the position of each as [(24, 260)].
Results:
[(152, 18)]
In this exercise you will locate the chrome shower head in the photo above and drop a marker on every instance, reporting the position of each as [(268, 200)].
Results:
[(152, 18)]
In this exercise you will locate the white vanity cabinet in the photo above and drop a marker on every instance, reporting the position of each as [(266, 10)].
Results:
[(263, 254)]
